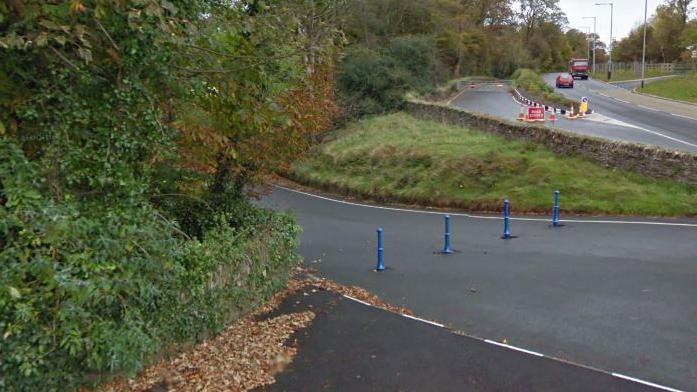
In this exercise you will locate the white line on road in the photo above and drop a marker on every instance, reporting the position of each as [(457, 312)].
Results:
[(514, 348), (648, 108), (423, 321), (484, 217), (621, 100), (357, 300), (680, 115), (622, 376)]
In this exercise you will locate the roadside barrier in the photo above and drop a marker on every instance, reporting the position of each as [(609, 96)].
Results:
[(446, 243), (506, 220), (521, 99), (555, 211), (381, 264), (571, 115)]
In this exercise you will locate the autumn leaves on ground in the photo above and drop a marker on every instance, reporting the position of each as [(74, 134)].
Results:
[(247, 354)]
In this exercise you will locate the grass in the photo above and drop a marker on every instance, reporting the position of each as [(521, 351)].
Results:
[(533, 84), (621, 75), (400, 158), (682, 88)]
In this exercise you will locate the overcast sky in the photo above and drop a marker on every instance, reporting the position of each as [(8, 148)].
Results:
[(628, 14)]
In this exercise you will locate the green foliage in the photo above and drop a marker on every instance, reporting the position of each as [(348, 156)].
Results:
[(88, 289), (532, 83), (375, 79), (400, 158), (123, 232), (682, 88)]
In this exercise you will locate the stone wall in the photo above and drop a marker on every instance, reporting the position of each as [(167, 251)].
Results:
[(650, 161)]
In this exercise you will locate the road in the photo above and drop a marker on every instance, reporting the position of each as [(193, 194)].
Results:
[(615, 296), (673, 120), (354, 347), (614, 120)]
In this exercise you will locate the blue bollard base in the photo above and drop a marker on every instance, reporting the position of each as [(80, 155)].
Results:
[(446, 252), (380, 270)]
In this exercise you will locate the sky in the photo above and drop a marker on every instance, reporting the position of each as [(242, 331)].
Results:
[(628, 14)]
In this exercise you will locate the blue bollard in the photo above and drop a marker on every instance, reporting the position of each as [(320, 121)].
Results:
[(555, 213), (381, 263), (506, 220), (446, 245)]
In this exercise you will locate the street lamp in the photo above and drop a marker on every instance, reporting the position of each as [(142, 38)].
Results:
[(643, 50), (595, 37), (612, 46)]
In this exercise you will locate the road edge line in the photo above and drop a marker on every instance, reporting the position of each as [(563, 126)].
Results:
[(397, 209)]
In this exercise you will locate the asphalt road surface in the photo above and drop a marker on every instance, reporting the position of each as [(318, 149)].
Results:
[(621, 297), (614, 120), (354, 347), (611, 101)]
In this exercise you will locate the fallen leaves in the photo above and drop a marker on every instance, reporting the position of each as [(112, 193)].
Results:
[(246, 355)]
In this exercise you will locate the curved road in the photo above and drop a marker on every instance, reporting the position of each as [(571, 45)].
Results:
[(619, 296), (609, 100), (614, 119)]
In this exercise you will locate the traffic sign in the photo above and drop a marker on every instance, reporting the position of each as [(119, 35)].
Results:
[(583, 109), (536, 113)]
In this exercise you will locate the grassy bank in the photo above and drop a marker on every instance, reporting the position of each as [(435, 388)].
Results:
[(620, 75), (400, 158), (683, 88), (533, 86)]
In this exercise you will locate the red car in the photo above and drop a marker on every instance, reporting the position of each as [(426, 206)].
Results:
[(565, 80)]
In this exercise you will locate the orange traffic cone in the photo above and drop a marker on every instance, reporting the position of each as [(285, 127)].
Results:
[(552, 117), (571, 114), (521, 115)]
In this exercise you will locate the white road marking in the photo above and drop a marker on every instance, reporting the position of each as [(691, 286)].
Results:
[(484, 217), (357, 300), (622, 376), (456, 96), (680, 115), (648, 108), (621, 100), (423, 321), (523, 350), (508, 346), (610, 120)]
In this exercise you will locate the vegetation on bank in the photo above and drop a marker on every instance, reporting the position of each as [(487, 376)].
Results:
[(682, 88), (532, 85), (130, 132), (622, 75), (400, 158)]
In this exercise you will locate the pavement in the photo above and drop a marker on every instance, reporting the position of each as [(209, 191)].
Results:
[(636, 83), (612, 294), (351, 346)]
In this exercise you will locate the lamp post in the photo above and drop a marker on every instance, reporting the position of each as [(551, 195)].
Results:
[(595, 37), (612, 46), (643, 50)]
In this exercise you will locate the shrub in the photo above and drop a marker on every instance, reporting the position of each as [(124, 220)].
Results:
[(91, 288)]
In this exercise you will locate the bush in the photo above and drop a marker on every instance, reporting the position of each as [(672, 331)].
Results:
[(531, 82), (375, 79), (91, 288)]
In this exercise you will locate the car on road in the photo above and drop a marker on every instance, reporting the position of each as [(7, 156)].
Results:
[(565, 79), (579, 68)]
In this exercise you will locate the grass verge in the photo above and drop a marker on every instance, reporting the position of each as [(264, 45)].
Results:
[(621, 75), (402, 159), (682, 88), (533, 86)]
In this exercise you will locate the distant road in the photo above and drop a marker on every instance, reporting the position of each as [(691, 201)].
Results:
[(615, 120), (676, 122)]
